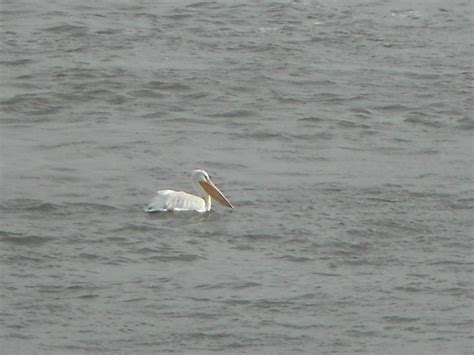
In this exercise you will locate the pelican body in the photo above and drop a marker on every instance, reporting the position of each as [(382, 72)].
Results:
[(170, 200)]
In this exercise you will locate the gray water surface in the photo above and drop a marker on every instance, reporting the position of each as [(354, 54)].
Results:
[(341, 131)]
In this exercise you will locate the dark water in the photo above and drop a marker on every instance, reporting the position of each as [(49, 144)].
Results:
[(341, 130)]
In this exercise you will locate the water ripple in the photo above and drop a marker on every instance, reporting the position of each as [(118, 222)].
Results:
[(22, 239)]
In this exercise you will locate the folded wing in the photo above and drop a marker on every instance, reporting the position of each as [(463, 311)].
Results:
[(169, 200)]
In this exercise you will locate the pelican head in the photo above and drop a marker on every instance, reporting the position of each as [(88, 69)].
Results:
[(203, 184)]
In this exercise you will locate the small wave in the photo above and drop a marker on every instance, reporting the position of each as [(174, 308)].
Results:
[(79, 73), (135, 299), (361, 111), (424, 120), (204, 4), (21, 239), (458, 291), (88, 296), (65, 145), (109, 31), (296, 259), (179, 257), (234, 114), (465, 123), (243, 247), (4, 12), (246, 285), (131, 227), (351, 124), (272, 304), (326, 274), (260, 237), (392, 108), (421, 195), (422, 76), (160, 85), (287, 99), (21, 336), (88, 206), (76, 288), (88, 256), (23, 259), (313, 136), (219, 285), (234, 302), (399, 319), (304, 296), (177, 17), (16, 62), (407, 13), (32, 105), (362, 333), (263, 135), (196, 95), (312, 119), (350, 248), (65, 28), (146, 93), (147, 250), (43, 207), (429, 151), (30, 205), (461, 204), (298, 326), (410, 288), (451, 262), (330, 97)]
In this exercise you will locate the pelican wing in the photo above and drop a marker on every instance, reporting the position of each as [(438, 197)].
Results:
[(169, 200)]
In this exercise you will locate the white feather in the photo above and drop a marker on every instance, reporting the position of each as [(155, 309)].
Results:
[(169, 200)]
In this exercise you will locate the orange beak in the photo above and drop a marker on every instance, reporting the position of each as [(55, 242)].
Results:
[(215, 193)]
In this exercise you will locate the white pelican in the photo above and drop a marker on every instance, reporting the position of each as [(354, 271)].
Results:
[(169, 200)]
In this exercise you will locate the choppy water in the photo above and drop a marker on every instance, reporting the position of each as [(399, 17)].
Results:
[(341, 130)]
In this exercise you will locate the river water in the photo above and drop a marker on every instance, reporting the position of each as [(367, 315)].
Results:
[(340, 130)]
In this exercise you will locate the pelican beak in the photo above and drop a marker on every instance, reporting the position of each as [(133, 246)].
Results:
[(215, 193)]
